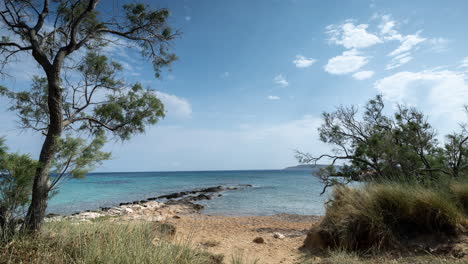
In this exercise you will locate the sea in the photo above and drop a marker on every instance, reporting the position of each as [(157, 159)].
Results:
[(272, 191)]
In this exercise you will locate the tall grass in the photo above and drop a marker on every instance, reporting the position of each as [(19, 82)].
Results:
[(385, 214), (103, 242)]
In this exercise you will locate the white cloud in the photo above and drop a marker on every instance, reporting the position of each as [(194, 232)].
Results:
[(175, 106), (273, 97), (350, 61), (408, 42), (387, 28), (363, 75), (399, 60), (351, 36), (303, 62), (441, 93), (188, 18), (280, 80)]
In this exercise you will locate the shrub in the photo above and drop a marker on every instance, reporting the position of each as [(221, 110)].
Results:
[(383, 215), (16, 176)]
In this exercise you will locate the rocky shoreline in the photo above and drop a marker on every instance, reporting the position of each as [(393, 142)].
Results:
[(158, 208)]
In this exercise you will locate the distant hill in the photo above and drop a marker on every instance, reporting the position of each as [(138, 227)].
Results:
[(308, 167)]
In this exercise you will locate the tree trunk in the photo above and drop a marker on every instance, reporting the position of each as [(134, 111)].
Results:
[(40, 190)]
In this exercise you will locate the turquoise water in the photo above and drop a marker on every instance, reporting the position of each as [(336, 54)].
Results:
[(273, 191)]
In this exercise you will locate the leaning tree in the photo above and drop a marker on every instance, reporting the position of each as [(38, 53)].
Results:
[(80, 91)]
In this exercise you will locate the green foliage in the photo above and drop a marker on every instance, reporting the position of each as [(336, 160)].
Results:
[(16, 178), (75, 157), (402, 146), (152, 23), (382, 215), (103, 242)]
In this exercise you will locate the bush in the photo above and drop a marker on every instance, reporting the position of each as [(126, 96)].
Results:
[(103, 242), (383, 215), (16, 177)]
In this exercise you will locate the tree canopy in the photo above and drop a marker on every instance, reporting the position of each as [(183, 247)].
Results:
[(376, 146), (81, 98)]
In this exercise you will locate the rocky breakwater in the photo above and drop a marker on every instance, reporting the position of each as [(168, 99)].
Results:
[(157, 208)]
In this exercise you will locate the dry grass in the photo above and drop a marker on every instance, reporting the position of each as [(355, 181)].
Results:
[(384, 215), (345, 257), (104, 242)]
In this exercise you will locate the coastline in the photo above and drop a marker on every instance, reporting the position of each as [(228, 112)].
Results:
[(158, 208), (281, 234)]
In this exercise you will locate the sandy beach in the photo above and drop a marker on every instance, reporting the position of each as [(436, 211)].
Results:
[(233, 236)]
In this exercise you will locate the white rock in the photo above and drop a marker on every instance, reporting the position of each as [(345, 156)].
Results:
[(278, 235), (158, 218), (127, 211), (89, 215)]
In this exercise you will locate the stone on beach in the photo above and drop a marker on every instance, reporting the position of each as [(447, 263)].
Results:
[(259, 240), (278, 235)]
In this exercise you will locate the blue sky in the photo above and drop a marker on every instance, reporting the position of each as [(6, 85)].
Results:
[(253, 77)]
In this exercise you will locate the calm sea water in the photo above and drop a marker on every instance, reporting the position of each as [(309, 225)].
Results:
[(273, 191)]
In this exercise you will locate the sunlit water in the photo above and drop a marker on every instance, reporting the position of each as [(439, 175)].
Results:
[(273, 191)]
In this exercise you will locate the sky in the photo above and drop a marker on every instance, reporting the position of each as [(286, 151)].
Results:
[(253, 78)]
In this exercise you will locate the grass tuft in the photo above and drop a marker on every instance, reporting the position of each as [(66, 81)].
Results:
[(383, 215)]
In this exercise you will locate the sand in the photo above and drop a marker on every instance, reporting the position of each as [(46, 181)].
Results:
[(233, 236)]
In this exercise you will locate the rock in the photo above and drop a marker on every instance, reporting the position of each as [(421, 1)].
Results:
[(278, 235), (259, 240), (201, 197), (176, 217), (158, 218), (213, 189), (143, 201), (89, 215), (198, 206), (152, 199), (52, 215), (127, 211)]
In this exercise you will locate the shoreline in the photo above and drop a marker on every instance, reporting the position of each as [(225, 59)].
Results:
[(164, 207)]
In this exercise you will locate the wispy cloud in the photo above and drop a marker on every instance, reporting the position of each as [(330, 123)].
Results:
[(175, 106), (402, 54), (303, 62), (280, 80), (444, 92), (464, 63), (408, 42), (273, 97)]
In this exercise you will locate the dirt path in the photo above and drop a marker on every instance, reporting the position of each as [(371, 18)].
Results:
[(233, 236)]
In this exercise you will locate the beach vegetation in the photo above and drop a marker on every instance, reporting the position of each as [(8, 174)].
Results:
[(80, 91), (103, 242), (397, 183), (389, 215), (402, 146), (16, 179)]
